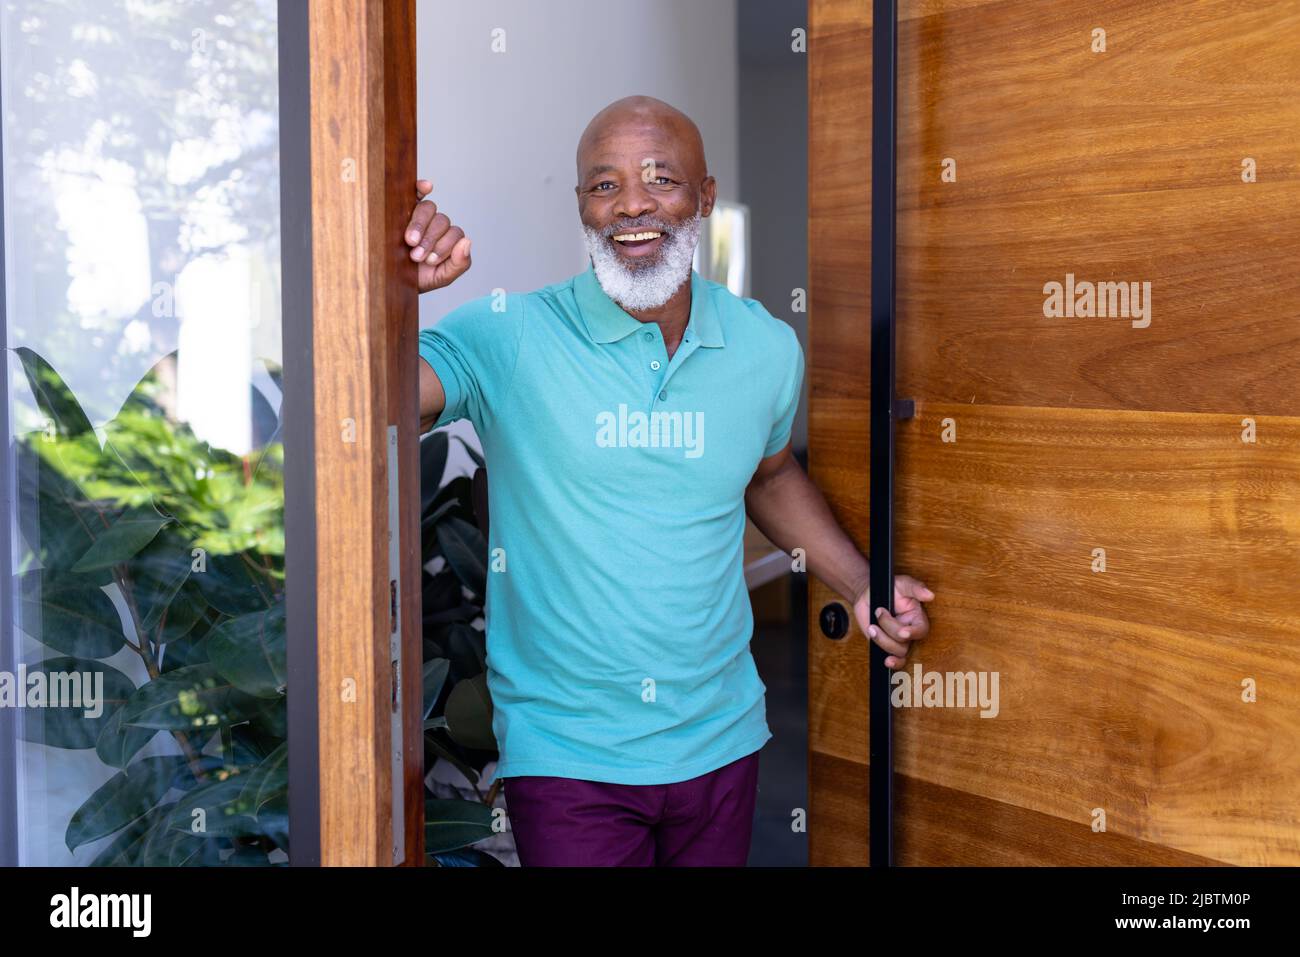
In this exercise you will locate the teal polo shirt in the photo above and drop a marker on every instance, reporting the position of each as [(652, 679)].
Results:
[(619, 622)]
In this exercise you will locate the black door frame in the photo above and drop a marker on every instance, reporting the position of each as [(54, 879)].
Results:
[(884, 410)]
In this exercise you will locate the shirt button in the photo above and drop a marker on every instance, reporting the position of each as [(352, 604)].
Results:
[(654, 364), (663, 394), (649, 336)]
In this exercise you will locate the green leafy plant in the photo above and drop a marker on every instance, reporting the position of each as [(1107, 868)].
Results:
[(457, 707), (190, 539)]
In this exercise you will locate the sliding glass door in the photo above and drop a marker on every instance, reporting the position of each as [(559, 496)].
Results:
[(143, 672)]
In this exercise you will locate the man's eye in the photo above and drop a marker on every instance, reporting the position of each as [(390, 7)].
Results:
[(665, 179), (601, 186)]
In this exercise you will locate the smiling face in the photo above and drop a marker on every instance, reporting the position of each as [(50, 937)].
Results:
[(642, 190)]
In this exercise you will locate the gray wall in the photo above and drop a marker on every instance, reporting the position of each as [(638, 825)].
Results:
[(774, 160)]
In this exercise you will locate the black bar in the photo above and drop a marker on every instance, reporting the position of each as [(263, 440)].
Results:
[(884, 167), (299, 432), (1044, 900)]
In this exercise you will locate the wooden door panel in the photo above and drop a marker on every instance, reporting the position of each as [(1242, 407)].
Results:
[(972, 280), (962, 829), (1115, 166), (953, 827), (1119, 690)]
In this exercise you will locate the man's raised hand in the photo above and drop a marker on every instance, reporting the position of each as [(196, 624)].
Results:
[(440, 249)]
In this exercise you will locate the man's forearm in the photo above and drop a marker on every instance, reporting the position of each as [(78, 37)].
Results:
[(792, 512)]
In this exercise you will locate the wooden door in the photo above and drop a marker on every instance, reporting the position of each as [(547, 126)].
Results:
[(1107, 506)]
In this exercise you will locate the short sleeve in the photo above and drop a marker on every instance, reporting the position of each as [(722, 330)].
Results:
[(474, 350), (791, 389)]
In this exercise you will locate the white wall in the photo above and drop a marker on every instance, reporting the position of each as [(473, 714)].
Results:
[(498, 131)]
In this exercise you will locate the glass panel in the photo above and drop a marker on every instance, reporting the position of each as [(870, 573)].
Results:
[(144, 633)]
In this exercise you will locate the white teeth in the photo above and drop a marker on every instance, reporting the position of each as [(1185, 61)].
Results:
[(636, 237)]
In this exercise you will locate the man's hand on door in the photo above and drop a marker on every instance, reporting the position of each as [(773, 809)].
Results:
[(895, 633), (441, 249)]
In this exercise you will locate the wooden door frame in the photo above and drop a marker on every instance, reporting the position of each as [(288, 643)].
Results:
[(366, 431)]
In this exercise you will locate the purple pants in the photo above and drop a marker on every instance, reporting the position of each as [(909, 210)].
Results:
[(706, 821)]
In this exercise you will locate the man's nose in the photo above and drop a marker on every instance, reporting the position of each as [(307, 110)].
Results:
[(636, 200)]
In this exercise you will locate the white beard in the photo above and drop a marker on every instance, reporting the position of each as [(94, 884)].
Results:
[(653, 283)]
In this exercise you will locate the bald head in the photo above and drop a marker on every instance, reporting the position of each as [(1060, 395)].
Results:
[(640, 157), (638, 118)]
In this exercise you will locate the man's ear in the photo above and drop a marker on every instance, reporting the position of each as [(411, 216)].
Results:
[(708, 195)]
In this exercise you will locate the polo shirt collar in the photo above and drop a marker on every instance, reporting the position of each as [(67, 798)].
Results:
[(607, 322)]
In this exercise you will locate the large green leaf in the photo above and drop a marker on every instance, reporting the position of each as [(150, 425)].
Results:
[(271, 723), (123, 798), (157, 575), (273, 820), (251, 652), (266, 796), (234, 586), (460, 491), (216, 809), (463, 613), (441, 750), (442, 600), (465, 549), (183, 615), (469, 714), (53, 396), (249, 749), (70, 727), (68, 522), (433, 462), (143, 399), (465, 646), (167, 846), (76, 616), (158, 454), (203, 769), (124, 850), (452, 824), (193, 697), (117, 743), (132, 531), (435, 676), (268, 780), (193, 649)]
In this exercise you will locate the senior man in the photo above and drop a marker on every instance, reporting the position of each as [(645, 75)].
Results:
[(630, 416)]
